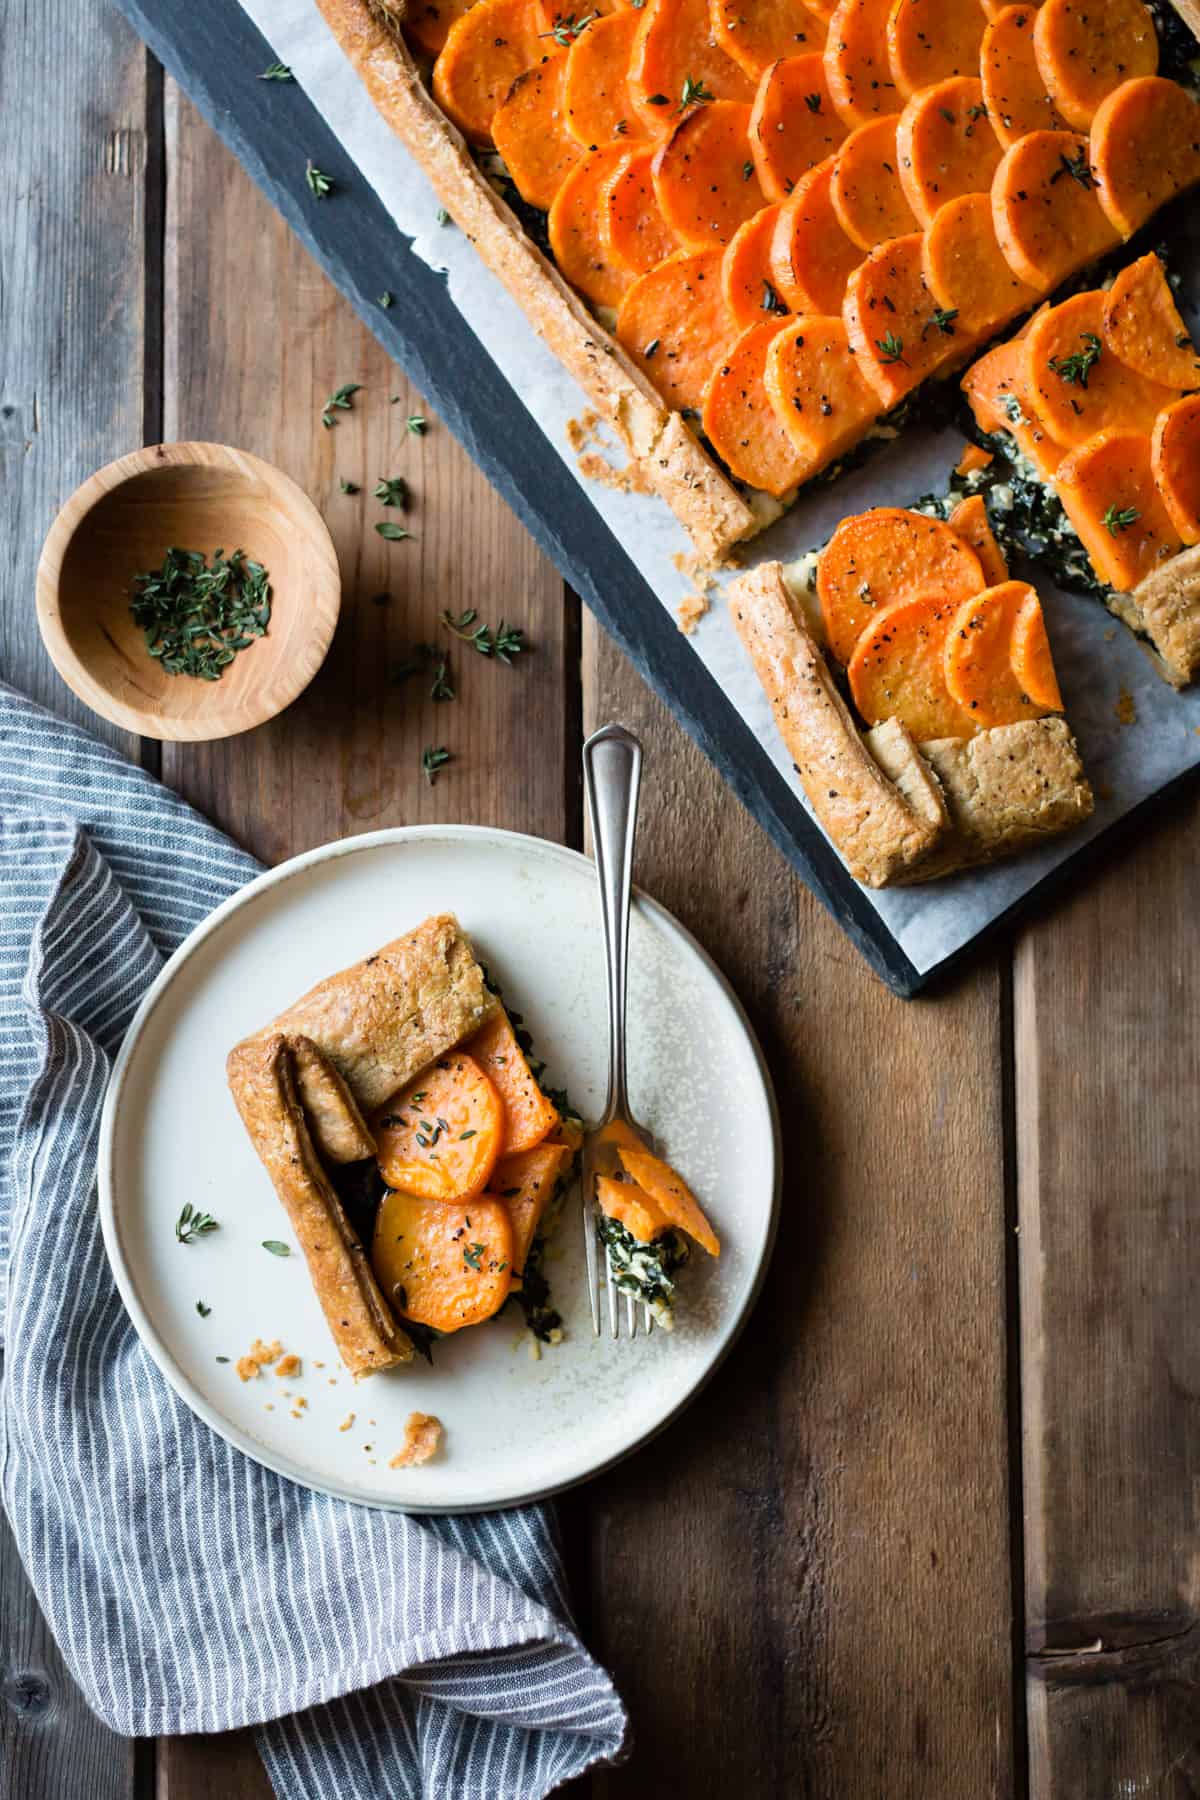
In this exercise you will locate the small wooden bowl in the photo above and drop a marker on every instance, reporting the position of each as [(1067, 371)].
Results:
[(121, 522)]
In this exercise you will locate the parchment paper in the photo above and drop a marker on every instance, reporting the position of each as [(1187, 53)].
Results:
[(1106, 677)]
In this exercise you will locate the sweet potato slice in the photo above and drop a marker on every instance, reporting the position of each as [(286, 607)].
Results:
[(979, 656), (793, 126), (675, 324), (973, 458), (966, 272), (632, 227), (856, 62), (866, 192), (446, 1265), (896, 330), (671, 1194), (1013, 90), (746, 271), (757, 33), (526, 1183), (740, 421), (1048, 218), (970, 520), (704, 176), (427, 23), (1145, 147), (528, 1115), (1109, 494), (1033, 665), (883, 556), (1076, 385), (675, 52), (811, 256), (897, 670), (599, 105), (575, 219), (624, 1201), (814, 385), (530, 132), (930, 40), (1086, 48), (998, 394), (1175, 462), (441, 1134), (945, 145), (485, 50), (1144, 328)]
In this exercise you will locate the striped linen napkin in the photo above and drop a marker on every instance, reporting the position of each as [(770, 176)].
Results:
[(189, 1589)]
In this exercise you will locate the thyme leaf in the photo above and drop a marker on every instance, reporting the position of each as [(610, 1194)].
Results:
[(507, 642), (1075, 369), (191, 1224), (339, 401), (392, 490), (319, 183), (394, 533), (1120, 518), (196, 615), (693, 93), (277, 71), (433, 760), (275, 1247), (891, 348)]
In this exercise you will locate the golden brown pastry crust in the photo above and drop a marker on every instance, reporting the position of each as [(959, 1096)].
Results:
[(384, 1019), (1167, 609), (897, 811), (666, 453), (262, 1079), (335, 1124)]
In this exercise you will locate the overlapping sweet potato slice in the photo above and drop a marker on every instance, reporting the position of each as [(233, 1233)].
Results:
[(970, 520), (1087, 48), (746, 271), (1013, 90), (485, 51), (1145, 149), (670, 1194), (1175, 462), (811, 256), (740, 421), (704, 176), (675, 324), (1033, 665), (867, 196), (676, 52), (998, 394), (877, 558), (1076, 386), (793, 125), (529, 1115), (1108, 490), (441, 1134), (1048, 216), (632, 227), (979, 656), (575, 227), (931, 40), (530, 132), (757, 33), (897, 332), (443, 1265), (814, 385), (945, 145), (427, 22), (897, 670), (526, 1182), (966, 272), (598, 104), (860, 81), (1144, 328)]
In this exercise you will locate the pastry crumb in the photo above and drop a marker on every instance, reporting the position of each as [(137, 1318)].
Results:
[(629, 480), (258, 1357), (288, 1365), (318, 1365), (1125, 709), (581, 431), (302, 1403), (296, 1413), (535, 1349), (690, 611), (422, 1438), (347, 1422)]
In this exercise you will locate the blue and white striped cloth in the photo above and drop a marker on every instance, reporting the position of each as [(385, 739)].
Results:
[(189, 1589)]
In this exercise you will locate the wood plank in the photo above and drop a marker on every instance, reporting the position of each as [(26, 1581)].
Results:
[(81, 151), (1107, 1004), (804, 1588)]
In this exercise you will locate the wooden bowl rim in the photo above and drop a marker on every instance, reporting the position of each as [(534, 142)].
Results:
[(143, 722)]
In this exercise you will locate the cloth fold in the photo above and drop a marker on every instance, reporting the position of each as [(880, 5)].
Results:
[(190, 1589)]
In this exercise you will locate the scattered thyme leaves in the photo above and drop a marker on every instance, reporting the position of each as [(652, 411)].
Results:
[(320, 184), (1078, 168), (196, 615), (813, 102), (942, 320), (349, 487), (473, 1255), (507, 642), (433, 760), (1075, 369), (339, 401), (417, 424), (567, 28), (891, 348), (275, 1247), (1120, 518), (693, 93), (202, 1309), (392, 490), (385, 299), (771, 303), (277, 72), (191, 1224), (394, 533)]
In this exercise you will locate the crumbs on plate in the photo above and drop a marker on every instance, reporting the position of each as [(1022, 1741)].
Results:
[(257, 1358), (288, 1365), (422, 1438)]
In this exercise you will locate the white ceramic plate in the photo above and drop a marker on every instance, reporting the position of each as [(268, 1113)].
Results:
[(515, 1427)]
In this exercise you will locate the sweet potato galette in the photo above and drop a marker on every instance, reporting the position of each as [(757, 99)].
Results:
[(753, 228), (395, 1106), (914, 686)]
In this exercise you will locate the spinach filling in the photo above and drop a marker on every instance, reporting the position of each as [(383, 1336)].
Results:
[(644, 1270)]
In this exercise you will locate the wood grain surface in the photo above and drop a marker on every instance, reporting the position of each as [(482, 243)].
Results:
[(931, 1531)]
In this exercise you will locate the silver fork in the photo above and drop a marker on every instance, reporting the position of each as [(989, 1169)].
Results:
[(612, 773)]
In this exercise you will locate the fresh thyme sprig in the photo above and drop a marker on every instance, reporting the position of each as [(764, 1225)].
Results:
[(567, 28), (432, 760), (277, 72), (1075, 369), (196, 615), (191, 1224), (1078, 168), (693, 93), (417, 424), (320, 184), (392, 490), (942, 320), (508, 641), (891, 348), (1120, 518), (339, 401)]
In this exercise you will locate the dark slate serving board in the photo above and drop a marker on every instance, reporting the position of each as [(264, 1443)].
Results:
[(215, 53)]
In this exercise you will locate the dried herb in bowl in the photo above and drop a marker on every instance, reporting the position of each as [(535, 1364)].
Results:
[(196, 614)]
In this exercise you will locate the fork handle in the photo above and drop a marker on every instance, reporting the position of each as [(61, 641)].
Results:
[(612, 773)]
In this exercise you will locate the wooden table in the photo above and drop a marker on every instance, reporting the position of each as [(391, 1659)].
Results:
[(933, 1530)]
